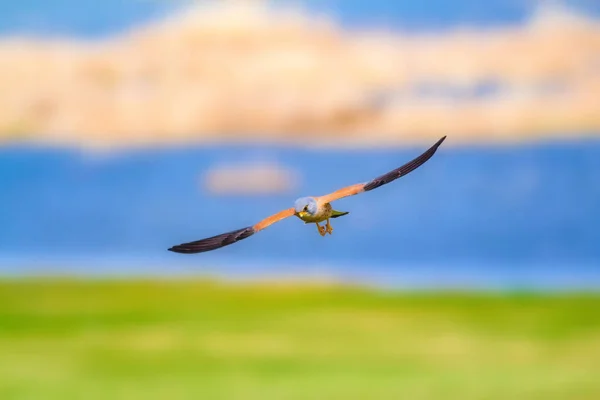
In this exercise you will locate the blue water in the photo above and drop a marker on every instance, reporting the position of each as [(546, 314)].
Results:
[(527, 212), (90, 18)]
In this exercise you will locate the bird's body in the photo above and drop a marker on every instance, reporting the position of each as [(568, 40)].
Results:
[(323, 212), (320, 212), (311, 210), (315, 209)]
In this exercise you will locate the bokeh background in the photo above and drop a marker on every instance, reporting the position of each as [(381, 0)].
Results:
[(128, 126)]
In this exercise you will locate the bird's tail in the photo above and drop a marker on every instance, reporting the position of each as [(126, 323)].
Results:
[(336, 214)]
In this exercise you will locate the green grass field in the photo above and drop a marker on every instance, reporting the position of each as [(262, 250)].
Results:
[(201, 340)]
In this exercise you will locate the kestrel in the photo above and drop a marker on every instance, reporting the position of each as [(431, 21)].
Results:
[(309, 209)]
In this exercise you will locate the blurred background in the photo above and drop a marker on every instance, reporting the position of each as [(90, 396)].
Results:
[(129, 126)]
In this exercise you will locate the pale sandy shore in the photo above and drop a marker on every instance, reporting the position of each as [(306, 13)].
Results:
[(241, 72)]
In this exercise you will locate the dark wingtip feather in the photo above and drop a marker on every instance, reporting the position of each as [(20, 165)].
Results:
[(405, 169), (213, 243)]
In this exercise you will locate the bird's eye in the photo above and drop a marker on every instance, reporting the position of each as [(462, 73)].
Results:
[(305, 208)]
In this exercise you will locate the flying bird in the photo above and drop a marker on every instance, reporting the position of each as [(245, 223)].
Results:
[(309, 209)]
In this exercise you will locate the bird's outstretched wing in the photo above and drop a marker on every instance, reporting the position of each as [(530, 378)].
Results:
[(383, 179), (225, 239)]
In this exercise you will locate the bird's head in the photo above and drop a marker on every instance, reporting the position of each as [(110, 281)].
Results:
[(305, 206)]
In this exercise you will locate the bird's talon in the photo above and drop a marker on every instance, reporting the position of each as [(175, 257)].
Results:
[(328, 228), (322, 230)]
